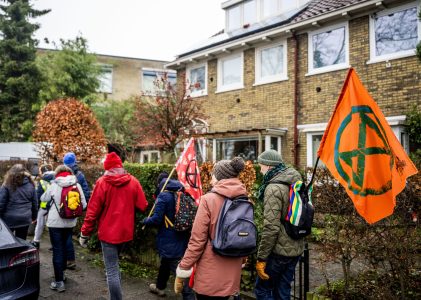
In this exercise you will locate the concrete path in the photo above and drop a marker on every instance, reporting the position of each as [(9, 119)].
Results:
[(88, 281)]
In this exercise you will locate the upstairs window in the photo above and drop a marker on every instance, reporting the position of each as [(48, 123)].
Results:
[(394, 33), (241, 15), (269, 8), (149, 77), (230, 72), (271, 63), (106, 79), (196, 80), (328, 49)]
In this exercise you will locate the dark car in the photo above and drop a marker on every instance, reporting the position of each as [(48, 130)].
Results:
[(19, 267)]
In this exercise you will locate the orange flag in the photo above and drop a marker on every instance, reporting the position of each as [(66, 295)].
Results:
[(361, 151)]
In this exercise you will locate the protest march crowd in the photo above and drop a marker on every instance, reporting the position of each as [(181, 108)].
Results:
[(203, 239)]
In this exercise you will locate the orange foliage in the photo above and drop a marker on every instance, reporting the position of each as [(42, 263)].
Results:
[(247, 176), (69, 125)]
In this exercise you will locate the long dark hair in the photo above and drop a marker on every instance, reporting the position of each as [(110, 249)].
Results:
[(15, 176)]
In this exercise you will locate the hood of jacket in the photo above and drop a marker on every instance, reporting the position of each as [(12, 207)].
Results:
[(172, 185), (66, 181), (118, 179), (290, 175), (48, 176), (230, 188)]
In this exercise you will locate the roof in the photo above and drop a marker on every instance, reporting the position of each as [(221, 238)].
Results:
[(317, 8), (18, 150), (311, 10)]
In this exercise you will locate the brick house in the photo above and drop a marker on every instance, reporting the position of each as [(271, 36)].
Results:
[(272, 77)]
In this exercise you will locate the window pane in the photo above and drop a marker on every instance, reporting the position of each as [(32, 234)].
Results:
[(329, 48), (271, 61), (106, 79), (316, 139), (231, 71), (228, 149), (274, 143), (154, 157), (148, 81), (287, 5), (270, 8), (197, 79), (396, 32), (250, 12), (234, 15)]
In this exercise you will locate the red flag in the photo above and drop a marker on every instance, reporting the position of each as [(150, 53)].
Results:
[(188, 171)]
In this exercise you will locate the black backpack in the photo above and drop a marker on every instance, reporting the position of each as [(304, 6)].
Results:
[(236, 233), (300, 214), (185, 211)]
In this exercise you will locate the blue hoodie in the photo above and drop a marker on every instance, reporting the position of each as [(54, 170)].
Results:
[(170, 243), (82, 181)]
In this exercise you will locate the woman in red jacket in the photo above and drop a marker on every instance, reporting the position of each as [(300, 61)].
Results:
[(112, 205)]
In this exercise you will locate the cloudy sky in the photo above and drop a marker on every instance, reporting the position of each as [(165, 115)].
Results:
[(152, 29)]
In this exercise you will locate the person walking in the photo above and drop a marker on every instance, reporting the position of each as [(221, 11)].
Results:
[(69, 160), (215, 277), (278, 254), (47, 175), (112, 206), (60, 229), (170, 243), (18, 200)]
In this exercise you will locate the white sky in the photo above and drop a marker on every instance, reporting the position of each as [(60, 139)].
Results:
[(151, 29)]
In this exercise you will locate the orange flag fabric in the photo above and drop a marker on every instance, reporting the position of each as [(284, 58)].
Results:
[(361, 151)]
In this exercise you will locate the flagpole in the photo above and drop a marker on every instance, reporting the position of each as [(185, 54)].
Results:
[(163, 188), (314, 172)]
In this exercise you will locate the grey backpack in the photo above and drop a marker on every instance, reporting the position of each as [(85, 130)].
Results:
[(236, 233)]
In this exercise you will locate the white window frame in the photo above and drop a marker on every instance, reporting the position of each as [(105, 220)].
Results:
[(203, 92), (241, 6), (235, 86), (101, 89), (149, 153), (395, 122), (407, 53), (258, 65), (157, 71), (345, 65)]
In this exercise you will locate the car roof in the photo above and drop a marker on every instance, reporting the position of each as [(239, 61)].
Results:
[(7, 239)]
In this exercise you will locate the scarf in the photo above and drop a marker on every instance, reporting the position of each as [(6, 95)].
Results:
[(268, 176)]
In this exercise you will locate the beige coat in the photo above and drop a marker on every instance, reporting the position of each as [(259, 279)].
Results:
[(215, 275)]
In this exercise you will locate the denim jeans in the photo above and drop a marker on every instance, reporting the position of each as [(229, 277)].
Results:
[(167, 266), (59, 238), (70, 249), (281, 270), (110, 253)]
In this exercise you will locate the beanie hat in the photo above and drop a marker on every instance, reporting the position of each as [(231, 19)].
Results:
[(69, 159), (225, 169), (161, 176), (112, 160), (269, 158)]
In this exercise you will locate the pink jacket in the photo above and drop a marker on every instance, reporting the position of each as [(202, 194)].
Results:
[(215, 275)]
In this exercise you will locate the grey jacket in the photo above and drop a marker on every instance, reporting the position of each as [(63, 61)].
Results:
[(53, 194), (18, 208), (274, 238)]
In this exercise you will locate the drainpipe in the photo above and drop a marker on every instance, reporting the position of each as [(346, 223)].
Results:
[(296, 94)]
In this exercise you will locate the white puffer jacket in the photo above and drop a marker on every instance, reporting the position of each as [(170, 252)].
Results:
[(54, 193)]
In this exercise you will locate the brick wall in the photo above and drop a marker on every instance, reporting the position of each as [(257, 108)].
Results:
[(394, 87)]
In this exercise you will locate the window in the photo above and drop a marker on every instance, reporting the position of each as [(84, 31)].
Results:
[(271, 63), (230, 72), (394, 33), (149, 77), (151, 157), (106, 79), (242, 14), (243, 147), (269, 8), (197, 80), (328, 49)]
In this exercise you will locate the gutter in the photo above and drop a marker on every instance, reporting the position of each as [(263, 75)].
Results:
[(296, 99), (261, 33)]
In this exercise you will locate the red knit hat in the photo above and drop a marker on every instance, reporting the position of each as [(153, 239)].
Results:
[(112, 160)]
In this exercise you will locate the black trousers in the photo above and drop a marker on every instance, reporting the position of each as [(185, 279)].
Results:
[(20, 232)]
